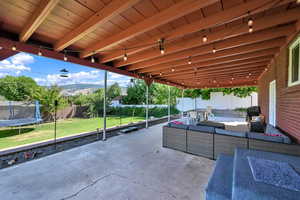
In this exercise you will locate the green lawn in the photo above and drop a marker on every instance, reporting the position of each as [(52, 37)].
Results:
[(30, 134)]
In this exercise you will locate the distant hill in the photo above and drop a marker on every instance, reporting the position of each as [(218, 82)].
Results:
[(76, 89), (80, 86)]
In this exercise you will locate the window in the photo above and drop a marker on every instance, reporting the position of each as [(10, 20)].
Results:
[(294, 63)]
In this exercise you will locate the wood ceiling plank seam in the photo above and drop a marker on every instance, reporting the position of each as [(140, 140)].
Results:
[(163, 17), (41, 12), (112, 57), (193, 43), (70, 11)]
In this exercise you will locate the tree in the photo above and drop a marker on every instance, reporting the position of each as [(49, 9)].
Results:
[(47, 98), (135, 93), (113, 91), (19, 88)]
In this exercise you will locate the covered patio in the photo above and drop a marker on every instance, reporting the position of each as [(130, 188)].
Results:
[(133, 166), (188, 44)]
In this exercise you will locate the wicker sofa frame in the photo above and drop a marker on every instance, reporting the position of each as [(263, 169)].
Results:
[(210, 145)]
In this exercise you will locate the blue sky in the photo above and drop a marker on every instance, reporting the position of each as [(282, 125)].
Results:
[(46, 71)]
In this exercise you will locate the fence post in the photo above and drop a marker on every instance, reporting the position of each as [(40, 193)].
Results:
[(104, 105), (147, 104), (169, 106), (182, 101)]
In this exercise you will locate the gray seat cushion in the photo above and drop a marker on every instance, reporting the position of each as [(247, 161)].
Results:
[(206, 129), (262, 136), (272, 130), (180, 126), (231, 133), (212, 124)]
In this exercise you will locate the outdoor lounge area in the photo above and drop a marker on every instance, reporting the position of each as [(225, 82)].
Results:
[(93, 99)]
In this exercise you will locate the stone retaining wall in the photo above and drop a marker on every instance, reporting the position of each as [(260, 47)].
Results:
[(34, 151)]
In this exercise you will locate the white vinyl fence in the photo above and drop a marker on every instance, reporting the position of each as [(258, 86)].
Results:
[(217, 101)]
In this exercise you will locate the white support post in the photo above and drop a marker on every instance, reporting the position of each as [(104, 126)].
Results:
[(169, 105), (104, 105), (147, 105), (182, 102)]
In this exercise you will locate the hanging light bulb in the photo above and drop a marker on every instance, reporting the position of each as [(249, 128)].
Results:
[(40, 53), (14, 48), (204, 38), (92, 59), (250, 22), (162, 46), (65, 57), (190, 60), (125, 57), (249, 74), (214, 50), (173, 70), (250, 29), (160, 73)]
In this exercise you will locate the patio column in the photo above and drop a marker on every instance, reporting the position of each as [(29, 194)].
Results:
[(104, 105), (147, 105), (182, 101), (169, 105)]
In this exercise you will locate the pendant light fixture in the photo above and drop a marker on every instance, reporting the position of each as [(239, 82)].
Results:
[(162, 46)]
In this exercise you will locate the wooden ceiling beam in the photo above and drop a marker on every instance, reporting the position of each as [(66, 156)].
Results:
[(38, 16), (268, 52), (102, 16), (5, 53), (33, 49), (219, 18), (225, 85), (223, 45), (212, 56), (147, 58), (217, 68), (174, 12), (229, 71), (187, 69), (227, 78)]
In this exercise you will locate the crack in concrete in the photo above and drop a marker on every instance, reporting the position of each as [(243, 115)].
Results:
[(86, 187), (120, 176)]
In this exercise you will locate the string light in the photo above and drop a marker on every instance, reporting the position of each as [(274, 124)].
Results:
[(250, 22), (125, 57), (65, 57), (162, 46), (204, 38), (14, 48), (190, 60), (250, 29), (40, 52), (214, 50)]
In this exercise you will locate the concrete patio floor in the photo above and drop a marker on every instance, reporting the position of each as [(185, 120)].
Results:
[(126, 167)]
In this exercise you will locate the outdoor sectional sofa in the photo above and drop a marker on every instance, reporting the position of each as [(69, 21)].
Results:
[(209, 141)]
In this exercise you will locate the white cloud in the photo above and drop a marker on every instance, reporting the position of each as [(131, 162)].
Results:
[(16, 65), (83, 77), (91, 77)]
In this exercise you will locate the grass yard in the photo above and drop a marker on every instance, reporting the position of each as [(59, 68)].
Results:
[(11, 137)]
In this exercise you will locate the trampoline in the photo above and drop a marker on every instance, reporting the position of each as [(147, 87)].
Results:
[(16, 114)]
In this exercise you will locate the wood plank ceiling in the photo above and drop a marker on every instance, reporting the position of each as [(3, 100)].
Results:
[(107, 30)]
